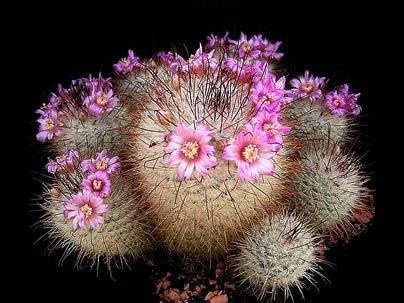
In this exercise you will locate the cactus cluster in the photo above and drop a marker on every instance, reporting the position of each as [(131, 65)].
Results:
[(212, 156)]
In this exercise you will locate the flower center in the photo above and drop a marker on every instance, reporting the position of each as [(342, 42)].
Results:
[(250, 153), (246, 46), (190, 149), (97, 185), (101, 165), (49, 124), (87, 210), (125, 62), (336, 102), (267, 99), (267, 127), (307, 87), (102, 100)]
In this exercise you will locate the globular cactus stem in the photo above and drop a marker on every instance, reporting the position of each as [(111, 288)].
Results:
[(278, 255)]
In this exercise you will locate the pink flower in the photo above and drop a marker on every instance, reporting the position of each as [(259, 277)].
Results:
[(49, 125), (128, 64), (173, 61), (189, 149), (268, 122), (307, 86), (245, 71), (99, 102), (215, 41), (342, 103), (252, 154), (66, 162), (246, 47), (85, 208), (101, 163), (200, 61), (257, 48), (98, 183), (267, 93)]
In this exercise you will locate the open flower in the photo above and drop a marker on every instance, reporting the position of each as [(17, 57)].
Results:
[(101, 163), (307, 86), (215, 41), (98, 183), (200, 61), (100, 101), (342, 103), (173, 61), (252, 154), (189, 148), (85, 209), (128, 64), (49, 126), (267, 93), (66, 162), (268, 122), (257, 47)]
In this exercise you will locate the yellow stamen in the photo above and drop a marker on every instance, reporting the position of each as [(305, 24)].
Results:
[(49, 124), (250, 153), (307, 87), (97, 185), (102, 100), (87, 210), (190, 149), (246, 46), (125, 62), (336, 102), (101, 165), (267, 127)]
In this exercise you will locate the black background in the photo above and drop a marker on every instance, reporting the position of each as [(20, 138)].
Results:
[(57, 43)]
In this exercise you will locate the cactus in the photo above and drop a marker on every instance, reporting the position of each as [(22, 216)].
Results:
[(110, 226), (217, 154), (330, 188), (279, 254)]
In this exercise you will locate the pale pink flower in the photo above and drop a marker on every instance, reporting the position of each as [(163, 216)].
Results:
[(189, 148), (252, 154), (85, 209)]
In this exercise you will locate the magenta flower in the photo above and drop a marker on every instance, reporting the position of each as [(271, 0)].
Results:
[(101, 163), (99, 102), (245, 71), (190, 149), (200, 61), (257, 48), (128, 64), (85, 209), (66, 162), (98, 183), (268, 122), (342, 103), (252, 154), (173, 61), (215, 41), (307, 86), (267, 93), (49, 125), (246, 48)]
